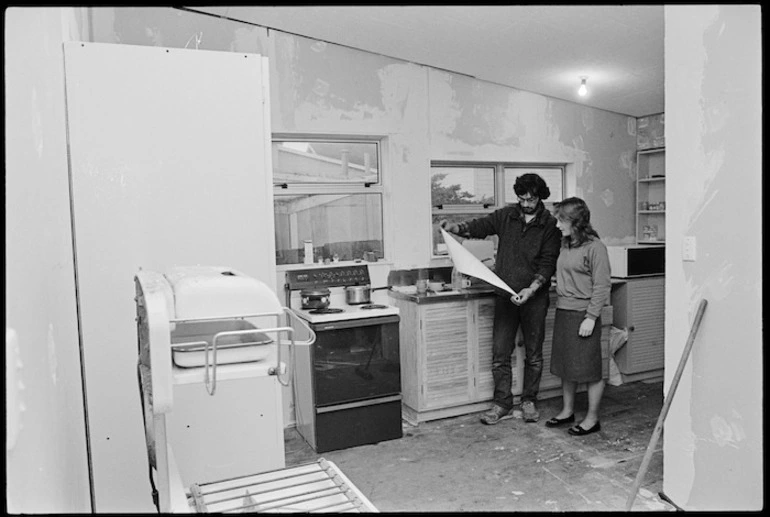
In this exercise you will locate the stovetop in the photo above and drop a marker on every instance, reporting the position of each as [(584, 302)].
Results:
[(349, 312), (335, 279)]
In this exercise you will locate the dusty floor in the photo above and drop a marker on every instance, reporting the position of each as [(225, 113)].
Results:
[(458, 464)]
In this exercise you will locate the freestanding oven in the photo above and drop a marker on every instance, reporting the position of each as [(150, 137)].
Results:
[(348, 383)]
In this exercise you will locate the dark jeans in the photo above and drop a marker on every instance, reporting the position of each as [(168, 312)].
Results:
[(508, 317)]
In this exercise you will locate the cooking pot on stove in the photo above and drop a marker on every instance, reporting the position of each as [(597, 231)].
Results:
[(359, 294), (317, 298)]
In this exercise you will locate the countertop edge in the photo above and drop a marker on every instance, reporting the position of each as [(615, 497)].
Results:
[(462, 294)]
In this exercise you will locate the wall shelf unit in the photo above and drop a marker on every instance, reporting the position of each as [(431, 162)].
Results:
[(651, 196)]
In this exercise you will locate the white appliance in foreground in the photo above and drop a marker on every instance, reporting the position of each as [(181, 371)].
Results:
[(210, 375)]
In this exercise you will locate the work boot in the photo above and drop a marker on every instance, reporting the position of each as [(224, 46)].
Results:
[(496, 414), (529, 411)]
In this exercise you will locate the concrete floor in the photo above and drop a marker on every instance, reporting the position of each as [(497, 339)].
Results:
[(458, 464)]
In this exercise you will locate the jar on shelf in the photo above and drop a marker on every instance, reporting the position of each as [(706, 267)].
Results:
[(650, 233)]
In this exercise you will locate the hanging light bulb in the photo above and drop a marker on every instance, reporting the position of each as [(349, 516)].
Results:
[(582, 91)]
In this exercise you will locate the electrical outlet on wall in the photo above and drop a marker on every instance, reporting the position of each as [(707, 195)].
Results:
[(688, 248)]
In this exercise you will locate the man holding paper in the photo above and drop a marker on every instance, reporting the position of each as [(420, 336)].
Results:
[(527, 250)]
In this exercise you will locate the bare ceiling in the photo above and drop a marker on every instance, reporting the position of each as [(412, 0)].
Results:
[(543, 49)]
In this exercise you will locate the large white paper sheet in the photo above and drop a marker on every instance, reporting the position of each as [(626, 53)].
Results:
[(468, 264)]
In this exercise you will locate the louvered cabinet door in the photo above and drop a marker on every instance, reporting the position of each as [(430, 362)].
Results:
[(484, 323), (640, 307), (548, 380), (446, 362)]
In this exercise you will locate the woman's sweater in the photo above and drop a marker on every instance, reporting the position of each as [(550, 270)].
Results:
[(583, 278)]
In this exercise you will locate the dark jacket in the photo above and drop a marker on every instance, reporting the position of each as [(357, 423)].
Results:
[(525, 252)]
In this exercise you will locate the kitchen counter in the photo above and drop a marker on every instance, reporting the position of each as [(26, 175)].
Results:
[(444, 296), (452, 295)]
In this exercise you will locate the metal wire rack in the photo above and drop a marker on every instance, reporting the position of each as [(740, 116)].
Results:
[(312, 487)]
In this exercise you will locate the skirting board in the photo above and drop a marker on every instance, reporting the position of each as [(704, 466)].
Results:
[(414, 417)]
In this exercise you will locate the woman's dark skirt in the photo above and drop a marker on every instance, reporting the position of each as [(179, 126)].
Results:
[(575, 358)]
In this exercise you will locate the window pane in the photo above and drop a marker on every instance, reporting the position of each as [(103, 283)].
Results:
[(553, 176), (462, 186), (325, 162), (344, 224), (439, 248)]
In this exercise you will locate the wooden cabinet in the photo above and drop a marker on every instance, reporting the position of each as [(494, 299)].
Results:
[(484, 314), (446, 358), (651, 196), (639, 306)]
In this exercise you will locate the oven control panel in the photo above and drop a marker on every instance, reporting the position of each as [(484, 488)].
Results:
[(327, 277)]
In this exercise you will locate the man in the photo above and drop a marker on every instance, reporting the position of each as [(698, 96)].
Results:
[(527, 250)]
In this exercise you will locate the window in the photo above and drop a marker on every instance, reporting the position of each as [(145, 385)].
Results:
[(327, 191), (462, 191)]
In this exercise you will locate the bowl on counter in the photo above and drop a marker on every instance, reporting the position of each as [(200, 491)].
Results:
[(436, 286)]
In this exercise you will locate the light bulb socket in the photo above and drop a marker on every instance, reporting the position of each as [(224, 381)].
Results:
[(583, 90)]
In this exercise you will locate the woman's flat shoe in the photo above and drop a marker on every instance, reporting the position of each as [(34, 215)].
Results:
[(555, 422), (579, 431)]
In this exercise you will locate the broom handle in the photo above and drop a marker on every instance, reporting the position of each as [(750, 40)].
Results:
[(666, 405)]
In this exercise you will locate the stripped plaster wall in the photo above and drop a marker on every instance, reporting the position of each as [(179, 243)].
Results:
[(428, 114), (46, 459), (476, 120), (328, 89), (713, 436), (425, 114)]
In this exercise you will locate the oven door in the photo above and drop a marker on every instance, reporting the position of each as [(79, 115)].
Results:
[(355, 360)]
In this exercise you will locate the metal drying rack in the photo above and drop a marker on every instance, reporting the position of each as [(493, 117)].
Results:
[(311, 487)]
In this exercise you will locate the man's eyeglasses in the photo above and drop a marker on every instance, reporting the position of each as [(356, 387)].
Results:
[(530, 200)]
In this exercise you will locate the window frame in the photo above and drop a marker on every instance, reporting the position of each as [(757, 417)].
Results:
[(331, 139), (330, 188), (479, 210)]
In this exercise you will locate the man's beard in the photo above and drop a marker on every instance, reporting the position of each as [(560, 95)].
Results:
[(529, 210)]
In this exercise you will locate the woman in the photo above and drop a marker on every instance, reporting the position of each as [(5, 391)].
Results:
[(582, 288)]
